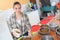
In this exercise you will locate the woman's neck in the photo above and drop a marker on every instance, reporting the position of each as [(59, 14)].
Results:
[(18, 15)]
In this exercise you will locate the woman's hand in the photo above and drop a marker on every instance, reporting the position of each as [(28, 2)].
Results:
[(16, 32), (29, 33)]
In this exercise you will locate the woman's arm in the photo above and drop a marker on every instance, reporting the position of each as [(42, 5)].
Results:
[(9, 23), (28, 25), (14, 31)]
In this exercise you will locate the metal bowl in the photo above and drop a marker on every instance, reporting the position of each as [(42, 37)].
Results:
[(47, 37), (44, 31), (58, 32), (53, 26)]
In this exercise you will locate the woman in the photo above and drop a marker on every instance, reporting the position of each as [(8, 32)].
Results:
[(19, 22)]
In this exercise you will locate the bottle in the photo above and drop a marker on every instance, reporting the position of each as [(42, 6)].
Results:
[(35, 6)]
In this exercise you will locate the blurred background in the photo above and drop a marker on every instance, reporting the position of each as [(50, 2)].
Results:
[(35, 9)]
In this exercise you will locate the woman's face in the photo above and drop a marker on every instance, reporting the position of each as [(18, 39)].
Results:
[(17, 8)]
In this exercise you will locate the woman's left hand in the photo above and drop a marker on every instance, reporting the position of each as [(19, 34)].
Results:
[(16, 32), (29, 33)]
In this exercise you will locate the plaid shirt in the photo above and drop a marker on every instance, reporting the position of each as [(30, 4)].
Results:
[(23, 27)]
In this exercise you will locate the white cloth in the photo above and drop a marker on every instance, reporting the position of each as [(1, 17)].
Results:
[(19, 21), (4, 31)]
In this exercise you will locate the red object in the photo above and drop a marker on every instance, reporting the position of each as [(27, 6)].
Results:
[(50, 17), (45, 21), (58, 5), (35, 28)]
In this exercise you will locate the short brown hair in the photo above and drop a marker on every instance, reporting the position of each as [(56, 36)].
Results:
[(15, 3)]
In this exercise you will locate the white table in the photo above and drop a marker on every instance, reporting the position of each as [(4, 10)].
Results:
[(4, 31)]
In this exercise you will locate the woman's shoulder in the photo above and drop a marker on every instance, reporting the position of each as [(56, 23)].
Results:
[(24, 14), (12, 16)]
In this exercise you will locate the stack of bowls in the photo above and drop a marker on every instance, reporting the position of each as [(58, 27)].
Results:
[(58, 32), (53, 26), (47, 37)]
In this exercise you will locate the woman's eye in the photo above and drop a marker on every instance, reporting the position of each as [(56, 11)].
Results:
[(15, 8), (19, 8)]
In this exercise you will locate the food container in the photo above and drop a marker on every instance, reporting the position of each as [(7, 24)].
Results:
[(58, 32), (53, 26), (44, 31), (47, 37)]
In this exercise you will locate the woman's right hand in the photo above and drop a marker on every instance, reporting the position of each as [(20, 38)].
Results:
[(16, 32)]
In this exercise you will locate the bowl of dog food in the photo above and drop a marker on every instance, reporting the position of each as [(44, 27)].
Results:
[(44, 30)]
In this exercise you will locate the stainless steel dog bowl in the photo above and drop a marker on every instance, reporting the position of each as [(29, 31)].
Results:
[(58, 32), (44, 31), (47, 37), (53, 26)]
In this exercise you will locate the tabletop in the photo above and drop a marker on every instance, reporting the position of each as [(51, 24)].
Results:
[(52, 33)]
